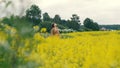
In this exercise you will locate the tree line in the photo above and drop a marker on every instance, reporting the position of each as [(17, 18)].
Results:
[(35, 17)]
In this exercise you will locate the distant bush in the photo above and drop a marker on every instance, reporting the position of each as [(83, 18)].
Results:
[(66, 30)]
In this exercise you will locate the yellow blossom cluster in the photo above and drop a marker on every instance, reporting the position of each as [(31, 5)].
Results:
[(79, 50)]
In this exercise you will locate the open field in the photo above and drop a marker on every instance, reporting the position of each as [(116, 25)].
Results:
[(73, 50)]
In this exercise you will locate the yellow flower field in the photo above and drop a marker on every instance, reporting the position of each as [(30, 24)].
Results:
[(79, 50), (73, 50)]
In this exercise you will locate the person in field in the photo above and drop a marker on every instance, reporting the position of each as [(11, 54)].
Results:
[(54, 30)]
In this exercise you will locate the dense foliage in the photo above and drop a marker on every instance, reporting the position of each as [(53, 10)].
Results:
[(113, 27), (90, 24), (33, 14)]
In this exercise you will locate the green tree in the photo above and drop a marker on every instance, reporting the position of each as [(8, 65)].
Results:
[(33, 14), (96, 26), (57, 19), (9, 21), (90, 24), (75, 18), (74, 23), (46, 17)]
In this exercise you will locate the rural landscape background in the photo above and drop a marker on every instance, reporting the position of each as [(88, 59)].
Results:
[(87, 41)]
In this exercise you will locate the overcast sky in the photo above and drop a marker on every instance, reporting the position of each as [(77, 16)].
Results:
[(101, 11)]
